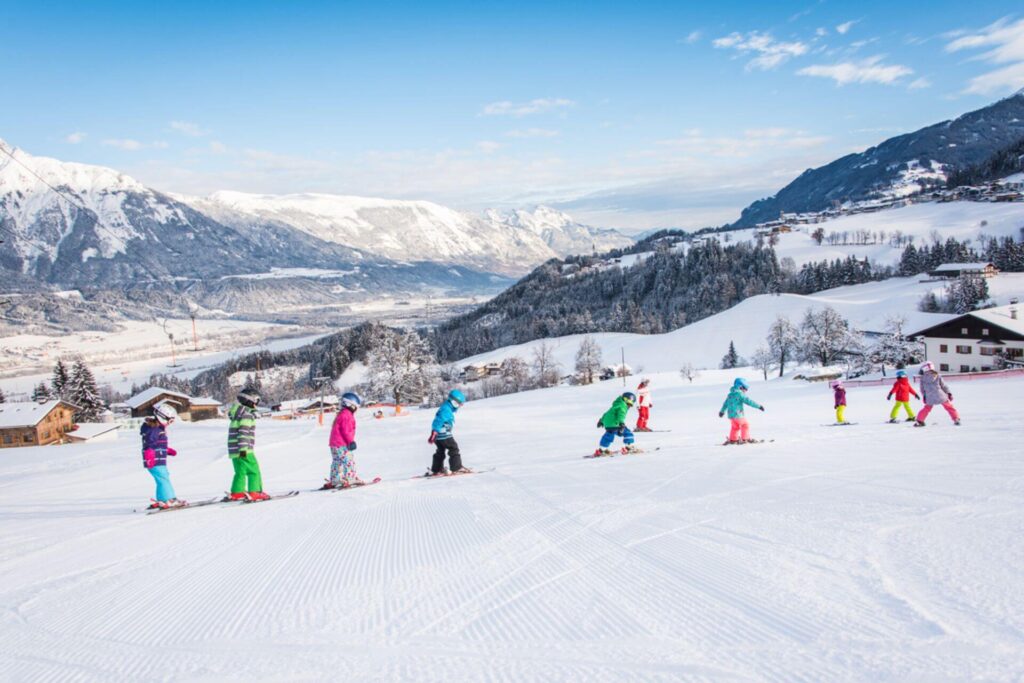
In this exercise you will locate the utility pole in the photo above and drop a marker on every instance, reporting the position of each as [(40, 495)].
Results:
[(623, 369), (321, 380), (170, 336), (195, 337)]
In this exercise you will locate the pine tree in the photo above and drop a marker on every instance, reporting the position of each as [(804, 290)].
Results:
[(731, 359), (3, 398), (60, 380), (41, 393), (84, 393)]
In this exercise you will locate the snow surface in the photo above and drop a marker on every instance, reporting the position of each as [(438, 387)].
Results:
[(746, 324), (874, 552)]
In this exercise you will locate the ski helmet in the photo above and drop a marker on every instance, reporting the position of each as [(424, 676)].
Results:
[(350, 400), (164, 412), (456, 396), (740, 383), (927, 366), (901, 373), (836, 383), (249, 398), (630, 397)]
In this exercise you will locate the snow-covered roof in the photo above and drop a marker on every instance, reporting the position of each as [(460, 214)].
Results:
[(27, 414), (90, 430), (205, 401), (143, 397), (962, 266), (1000, 316)]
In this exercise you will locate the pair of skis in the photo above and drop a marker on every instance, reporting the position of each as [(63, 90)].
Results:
[(444, 475), (620, 452), (222, 500)]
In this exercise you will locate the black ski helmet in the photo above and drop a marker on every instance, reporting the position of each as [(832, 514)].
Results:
[(249, 399)]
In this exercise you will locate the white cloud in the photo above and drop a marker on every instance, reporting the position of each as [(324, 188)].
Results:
[(770, 52), (821, 31), (870, 70), (517, 109), (124, 144), (74, 138), (218, 147), (754, 141), (1006, 42), (188, 128), (844, 28), (532, 133), (920, 83), (488, 146), (693, 37)]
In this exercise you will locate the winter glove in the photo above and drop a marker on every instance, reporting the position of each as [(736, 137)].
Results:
[(621, 430), (149, 457), (599, 425), (171, 451), (889, 397), (351, 446), (432, 438), (243, 454), (950, 395), (761, 408), (721, 413)]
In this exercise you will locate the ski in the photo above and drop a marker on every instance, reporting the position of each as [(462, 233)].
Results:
[(839, 424), (618, 453), (747, 443), (430, 475), (186, 506), (279, 496), (375, 480)]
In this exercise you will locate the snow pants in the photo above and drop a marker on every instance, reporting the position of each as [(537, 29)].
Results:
[(449, 447), (164, 490), (343, 466), (840, 413), (609, 436), (645, 414), (896, 409), (739, 429), (247, 475), (948, 405)]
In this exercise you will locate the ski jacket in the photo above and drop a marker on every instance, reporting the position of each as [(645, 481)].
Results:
[(343, 431), (934, 389), (154, 438), (643, 397), (615, 416), (902, 389), (734, 402), (444, 421), (241, 429), (840, 396)]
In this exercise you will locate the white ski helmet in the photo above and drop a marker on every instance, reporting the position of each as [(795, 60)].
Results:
[(165, 413)]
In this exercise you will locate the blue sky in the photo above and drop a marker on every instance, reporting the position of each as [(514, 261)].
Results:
[(631, 115)]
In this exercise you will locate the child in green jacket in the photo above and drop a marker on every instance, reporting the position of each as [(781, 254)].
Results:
[(248, 482), (614, 424)]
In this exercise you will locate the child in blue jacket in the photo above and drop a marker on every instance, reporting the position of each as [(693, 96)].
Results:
[(441, 436), (155, 451)]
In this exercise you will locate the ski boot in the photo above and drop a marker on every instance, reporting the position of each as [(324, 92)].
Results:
[(431, 473), (462, 470), (600, 452), (631, 448), (911, 419), (893, 420), (918, 423), (236, 496), (258, 495), (154, 504), (328, 485), (956, 422)]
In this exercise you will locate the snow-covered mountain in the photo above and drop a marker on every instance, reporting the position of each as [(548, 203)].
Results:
[(507, 242)]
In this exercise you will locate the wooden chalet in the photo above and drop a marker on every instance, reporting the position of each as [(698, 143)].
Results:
[(35, 424)]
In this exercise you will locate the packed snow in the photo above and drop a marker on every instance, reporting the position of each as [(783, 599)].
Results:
[(872, 552)]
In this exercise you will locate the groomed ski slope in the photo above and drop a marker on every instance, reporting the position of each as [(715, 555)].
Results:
[(874, 552)]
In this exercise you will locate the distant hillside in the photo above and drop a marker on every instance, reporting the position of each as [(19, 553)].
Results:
[(899, 164)]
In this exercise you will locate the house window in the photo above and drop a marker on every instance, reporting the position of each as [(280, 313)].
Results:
[(965, 368), (963, 330), (984, 332), (944, 367), (7, 439), (988, 350), (943, 348), (27, 438), (1015, 353), (966, 350), (46, 434)]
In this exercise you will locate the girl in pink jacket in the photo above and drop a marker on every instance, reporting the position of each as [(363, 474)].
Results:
[(343, 445)]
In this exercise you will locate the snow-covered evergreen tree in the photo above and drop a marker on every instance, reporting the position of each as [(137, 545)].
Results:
[(783, 341), (893, 348), (401, 366), (3, 397), (61, 379), (41, 393), (731, 359), (83, 392), (588, 360), (966, 294), (824, 336)]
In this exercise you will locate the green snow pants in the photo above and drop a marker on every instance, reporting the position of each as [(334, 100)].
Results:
[(247, 475)]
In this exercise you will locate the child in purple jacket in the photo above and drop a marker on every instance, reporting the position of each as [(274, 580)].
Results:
[(155, 451), (840, 400)]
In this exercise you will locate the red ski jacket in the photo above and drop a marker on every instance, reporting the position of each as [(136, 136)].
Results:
[(901, 387)]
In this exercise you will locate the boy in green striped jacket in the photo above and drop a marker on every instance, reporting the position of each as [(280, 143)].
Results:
[(248, 483)]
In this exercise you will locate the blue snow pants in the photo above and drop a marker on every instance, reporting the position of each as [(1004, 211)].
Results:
[(610, 434), (164, 490)]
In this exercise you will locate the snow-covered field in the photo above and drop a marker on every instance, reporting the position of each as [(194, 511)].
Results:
[(874, 552), (746, 324)]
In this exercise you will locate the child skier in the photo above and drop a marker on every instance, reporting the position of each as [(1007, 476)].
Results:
[(441, 436), (614, 424), (739, 432), (935, 393), (155, 451), (343, 445), (644, 405), (903, 391), (840, 400), (247, 482)]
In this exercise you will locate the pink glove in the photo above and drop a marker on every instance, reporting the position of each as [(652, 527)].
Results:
[(171, 451), (149, 455)]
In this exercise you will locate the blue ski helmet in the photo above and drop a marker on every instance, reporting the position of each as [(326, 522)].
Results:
[(350, 400), (456, 396), (901, 373), (630, 397), (740, 383)]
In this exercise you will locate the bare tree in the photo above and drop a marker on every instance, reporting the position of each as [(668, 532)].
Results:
[(688, 372), (545, 368), (516, 373), (763, 360), (588, 360)]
